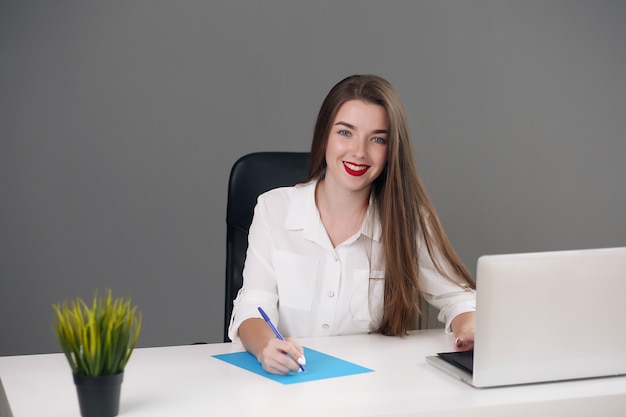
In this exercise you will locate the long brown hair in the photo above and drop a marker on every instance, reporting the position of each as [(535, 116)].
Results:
[(400, 199)]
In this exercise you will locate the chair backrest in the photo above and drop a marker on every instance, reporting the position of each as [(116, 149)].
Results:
[(250, 176)]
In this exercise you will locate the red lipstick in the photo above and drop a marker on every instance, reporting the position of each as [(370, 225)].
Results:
[(362, 169)]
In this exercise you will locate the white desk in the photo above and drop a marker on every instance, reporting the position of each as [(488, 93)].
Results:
[(186, 381)]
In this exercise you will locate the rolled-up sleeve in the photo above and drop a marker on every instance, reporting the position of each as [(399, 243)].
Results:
[(259, 282), (451, 298)]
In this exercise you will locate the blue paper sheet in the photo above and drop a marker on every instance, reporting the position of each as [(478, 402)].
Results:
[(318, 366)]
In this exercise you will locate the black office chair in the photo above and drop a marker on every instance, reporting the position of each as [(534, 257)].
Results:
[(251, 175)]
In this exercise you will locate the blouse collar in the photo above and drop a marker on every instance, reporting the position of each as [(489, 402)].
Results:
[(303, 214)]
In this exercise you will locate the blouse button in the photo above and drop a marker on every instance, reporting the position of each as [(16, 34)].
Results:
[(335, 258), (331, 294), (325, 326)]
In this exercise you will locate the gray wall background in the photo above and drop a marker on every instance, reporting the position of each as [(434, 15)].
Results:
[(119, 122)]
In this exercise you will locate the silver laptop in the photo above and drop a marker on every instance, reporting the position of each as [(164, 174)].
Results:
[(546, 316)]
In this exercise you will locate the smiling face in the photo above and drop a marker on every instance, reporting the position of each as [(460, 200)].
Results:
[(356, 150)]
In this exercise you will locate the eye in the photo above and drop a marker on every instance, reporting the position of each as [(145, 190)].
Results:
[(344, 132), (378, 139)]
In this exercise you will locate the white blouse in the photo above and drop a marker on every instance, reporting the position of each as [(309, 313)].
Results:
[(310, 288)]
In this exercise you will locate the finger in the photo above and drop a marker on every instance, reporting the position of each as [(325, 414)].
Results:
[(293, 349), (282, 354), (461, 345), (298, 353), (277, 363), (464, 340), (275, 367)]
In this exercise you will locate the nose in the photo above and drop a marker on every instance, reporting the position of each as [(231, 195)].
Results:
[(358, 148)]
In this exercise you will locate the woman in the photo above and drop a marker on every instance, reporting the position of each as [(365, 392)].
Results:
[(353, 248)]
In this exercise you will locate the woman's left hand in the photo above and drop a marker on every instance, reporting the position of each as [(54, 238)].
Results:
[(463, 328), (464, 340)]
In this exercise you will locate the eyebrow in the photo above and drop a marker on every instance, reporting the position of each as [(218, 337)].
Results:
[(349, 126)]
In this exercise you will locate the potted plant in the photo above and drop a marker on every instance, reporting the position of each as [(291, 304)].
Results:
[(97, 341)]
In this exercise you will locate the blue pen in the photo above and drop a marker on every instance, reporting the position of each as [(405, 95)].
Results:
[(277, 333)]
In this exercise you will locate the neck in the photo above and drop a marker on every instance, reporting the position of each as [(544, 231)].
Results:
[(340, 202), (342, 212)]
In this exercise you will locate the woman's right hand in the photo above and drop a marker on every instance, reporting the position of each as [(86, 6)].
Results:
[(281, 356)]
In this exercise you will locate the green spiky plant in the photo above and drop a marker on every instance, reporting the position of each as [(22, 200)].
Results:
[(98, 340)]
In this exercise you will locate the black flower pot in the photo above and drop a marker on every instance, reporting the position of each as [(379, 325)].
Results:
[(99, 396)]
